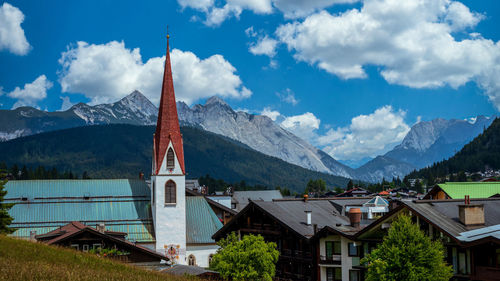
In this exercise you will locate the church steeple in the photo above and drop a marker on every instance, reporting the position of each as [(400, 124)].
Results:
[(167, 126)]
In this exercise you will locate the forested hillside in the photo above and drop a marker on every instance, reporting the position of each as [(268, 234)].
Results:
[(481, 153), (123, 151)]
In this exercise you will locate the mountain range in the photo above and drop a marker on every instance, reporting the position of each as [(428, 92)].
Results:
[(426, 143)]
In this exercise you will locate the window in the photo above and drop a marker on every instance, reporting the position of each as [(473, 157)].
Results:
[(170, 159), (353, 250), (354, 275), (333, 274), (332, 248), (170, 192), (191, 260), (96, 246), (75, 246), (85, 248)]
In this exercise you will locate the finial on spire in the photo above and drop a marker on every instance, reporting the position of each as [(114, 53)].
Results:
[(168, 33)]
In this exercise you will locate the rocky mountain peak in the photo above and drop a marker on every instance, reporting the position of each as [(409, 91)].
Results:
[(215, 100)]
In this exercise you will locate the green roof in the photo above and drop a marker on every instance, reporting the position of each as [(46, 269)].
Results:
[(458, 190), (201, 221), (44, 205), (122, 205)]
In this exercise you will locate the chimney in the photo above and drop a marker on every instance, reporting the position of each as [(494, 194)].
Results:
[(308, 216), (101, 227), (471, 214), (141, 175), (306, 197), (355, 216)]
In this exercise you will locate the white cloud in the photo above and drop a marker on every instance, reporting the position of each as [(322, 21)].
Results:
[(12, 36), (411, 41), (273, 114), (304, 125), (288, 96), (66, 103), (31, 93), (301, 8), (264, 46), (107, 72), (367, 135), (202, 5), (216, 13)]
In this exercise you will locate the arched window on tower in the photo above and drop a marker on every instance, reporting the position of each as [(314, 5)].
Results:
[(170, 159), (191, 260), (170, 192)]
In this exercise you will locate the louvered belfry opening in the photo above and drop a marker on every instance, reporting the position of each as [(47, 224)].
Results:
[(170, 159), (170, 192)]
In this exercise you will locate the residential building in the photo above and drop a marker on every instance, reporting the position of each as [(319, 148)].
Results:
[(354, 192), (470, 232), (315, 241), (85, 238), (458, 190)]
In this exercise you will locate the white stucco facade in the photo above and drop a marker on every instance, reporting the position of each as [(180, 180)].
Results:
[(346, 261), (169, 218), (201, 253)]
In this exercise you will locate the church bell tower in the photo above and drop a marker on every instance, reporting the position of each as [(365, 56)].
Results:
[(168, 195)]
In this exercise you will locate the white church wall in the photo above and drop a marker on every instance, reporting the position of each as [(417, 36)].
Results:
[(170, 219), (201, 253)]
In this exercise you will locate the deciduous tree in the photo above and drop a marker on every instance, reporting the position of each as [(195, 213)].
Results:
[(251, 258), (406, 253)]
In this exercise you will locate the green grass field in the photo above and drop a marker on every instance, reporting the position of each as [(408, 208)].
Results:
[(24, 260)]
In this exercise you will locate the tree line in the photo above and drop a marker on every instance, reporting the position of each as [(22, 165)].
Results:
[(39, 172)]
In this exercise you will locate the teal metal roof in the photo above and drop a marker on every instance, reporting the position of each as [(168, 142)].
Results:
[(201, 221), (122, 205), (77, 188)]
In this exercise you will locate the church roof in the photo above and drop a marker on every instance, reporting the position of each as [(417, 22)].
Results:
[(45, 205), (167, 126), (201, 221), (123, 205)]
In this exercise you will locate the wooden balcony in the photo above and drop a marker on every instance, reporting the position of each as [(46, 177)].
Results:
[(327, 260)]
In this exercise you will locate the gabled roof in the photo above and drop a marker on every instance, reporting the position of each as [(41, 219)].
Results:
[(457, 190), (291, 214), (167, 126), (74, 228), (242, 197), (122, 205), (444, 215), (201, 221)]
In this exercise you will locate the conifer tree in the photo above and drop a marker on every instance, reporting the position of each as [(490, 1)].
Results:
[(5, 218)]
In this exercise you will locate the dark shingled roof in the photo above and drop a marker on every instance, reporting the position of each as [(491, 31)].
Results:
[(444, 213), (291, 213)]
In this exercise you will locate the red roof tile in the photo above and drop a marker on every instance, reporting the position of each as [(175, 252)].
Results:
[(167, 126)]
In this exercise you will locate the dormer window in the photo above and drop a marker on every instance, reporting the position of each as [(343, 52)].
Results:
[(170, 159)]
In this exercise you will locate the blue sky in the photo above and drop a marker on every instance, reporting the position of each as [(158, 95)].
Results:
[(349, 76)]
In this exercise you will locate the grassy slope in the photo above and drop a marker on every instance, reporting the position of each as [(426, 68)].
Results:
[(24, 260)]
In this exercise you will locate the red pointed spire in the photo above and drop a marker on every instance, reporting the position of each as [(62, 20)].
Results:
[(167, 126)]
